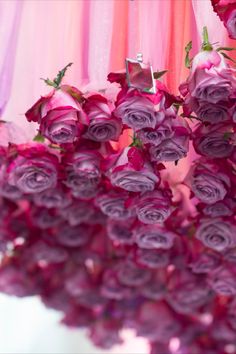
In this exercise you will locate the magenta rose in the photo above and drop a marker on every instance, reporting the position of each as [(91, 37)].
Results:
[(102, 125), (33, 170), (207, 181), (154, 207), (217, 234), (136, 111), (130, 170), (111, 287), (59, 114), (153, 237), (214, 141), (113, 205), (223, 280)]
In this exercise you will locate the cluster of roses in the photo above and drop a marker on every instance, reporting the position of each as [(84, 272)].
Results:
[(96, 231), (226, 10)]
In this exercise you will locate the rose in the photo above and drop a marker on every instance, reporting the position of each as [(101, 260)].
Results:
[(120, 231), (210, 79), (224, 208), (76, 236), (77, 213), (52, 198), (152, 259), (59, 114), (213, 113), (217, 234), (130, 170), (172, 149), (230, 24), (102, 126), (223, 280), (104, 333), (154, 207), (207, 182), (83, 172), (113, 205), (204, 263), (156, 135), (33, 170), (153, 237), (15, 281), (214, 141), (155, 289), (136, 111), (42, 253), (45, 218), (130, 274), (111, 288), (187, 292), (226, 11), (78, 283)]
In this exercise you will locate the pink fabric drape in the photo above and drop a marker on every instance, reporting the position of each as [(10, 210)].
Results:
[(39, 37)]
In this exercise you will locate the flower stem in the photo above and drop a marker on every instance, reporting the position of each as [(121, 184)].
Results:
[(206, 45)]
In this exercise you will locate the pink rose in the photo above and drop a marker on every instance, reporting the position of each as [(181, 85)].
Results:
[(130, 170), (59, 114), (217, 234), (154, 207), (214, 141), (155, 289), (153, 237), (33, 170), (223, 280), (207, 181), (102, 125), (136, 111)]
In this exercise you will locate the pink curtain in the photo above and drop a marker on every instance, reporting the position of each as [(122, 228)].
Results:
[(37, 38)]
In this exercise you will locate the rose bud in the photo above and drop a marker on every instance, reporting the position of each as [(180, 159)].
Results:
[(187, 292), (130, 274), (153, 237), (207, 181), (83, 172), (223, 280), (132, 172), (137, 111), (154, 207), (59, 114), (102, 125), (52, 198), (120, 231), (217, 234), (34, 169), (214, 141), (113, 204), (76, 236)]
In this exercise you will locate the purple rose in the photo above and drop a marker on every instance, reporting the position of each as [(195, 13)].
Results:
[(45, 218), (120, 231), (153, 237), (223, 281), (205, 262), (152, 259), (154, 207), (52, 198), (207, 182), (172, 149), (14, 281), (42, 253), (137, 112), (73, 236), (214, 141), (231, 24), (102, 126), (217, 234), (213, 113), (155, 289), (225, 207), (113, 205), (131, 275), (77, 213)]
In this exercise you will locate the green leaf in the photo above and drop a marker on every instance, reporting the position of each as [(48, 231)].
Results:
[(158, 74), (58, 79), (187, 58), (225, 48), (39, 138), (136, 142), (206, 45), (227, 57), (57, 147)]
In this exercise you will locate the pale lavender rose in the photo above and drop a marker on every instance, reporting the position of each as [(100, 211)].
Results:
[(230, 24), (217, 234), (224, 208), (152, 258), (76, 236), (8, 191), (214, 141), (34, 170), (83, 172), (207, 182), (137, 112), (223, 280), (130, 274), (153, 237), (132, 172), (213, 113), (120, 231), (102, 125), (154, 207), (59, 114), (77, 213), (113, 205), (210, 79), (155, 136), (205, 262), (187, 292), (52, 198)]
